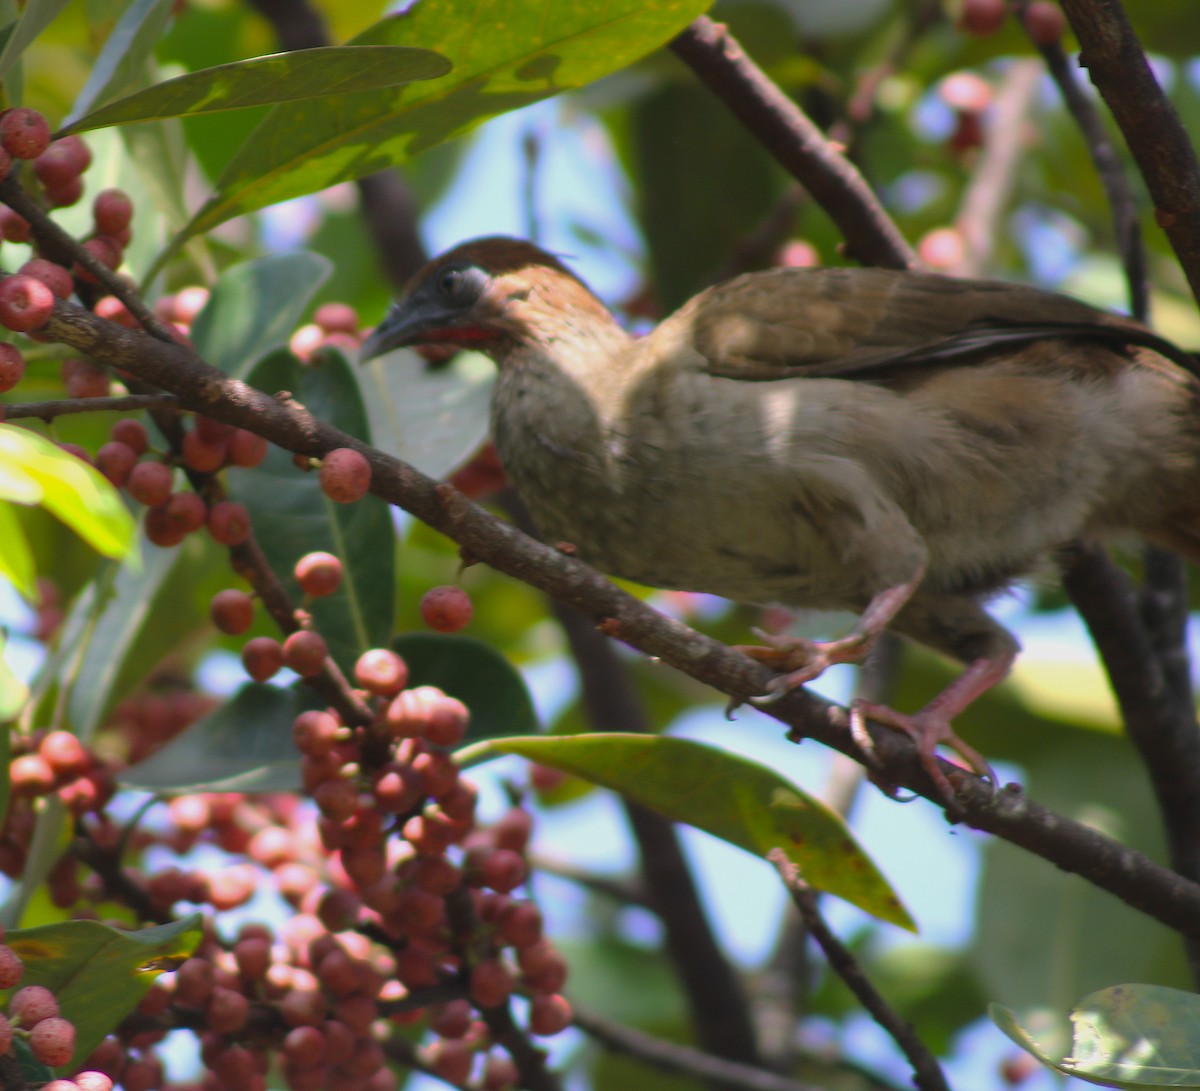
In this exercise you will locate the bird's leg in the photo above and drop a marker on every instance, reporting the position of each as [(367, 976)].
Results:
[(931, 727), (801, 660)]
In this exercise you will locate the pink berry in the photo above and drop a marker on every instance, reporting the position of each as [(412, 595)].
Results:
[(345, 473), (52, 1041), (229, 522), (245, 449), (54, 276), (319, 574), (132, 433), (63, 160), (150, 483), (549, 1015), (65, 754), (112, 211), (491, 983), (1044, 22), (25, 303), (30, 1005), (381, 671), (232, 611), (262, 657), (11, 968), (116, 461)]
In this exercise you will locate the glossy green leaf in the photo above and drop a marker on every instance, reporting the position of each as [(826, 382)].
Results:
[(245, 745), (1132, 1036), (474, 672), (292, 516), (729, 796), (123, 58), (506, 54), (33, 470), (433, 418), (16, 558), (35, 17), (254, 308), (97, 973), (265, 81)]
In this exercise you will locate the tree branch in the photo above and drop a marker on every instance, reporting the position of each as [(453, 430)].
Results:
[(795, 142), (927, 1073), (1129, 875), (1118, 67)]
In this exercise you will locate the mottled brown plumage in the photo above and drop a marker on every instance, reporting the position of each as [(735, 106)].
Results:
[(896, 444)]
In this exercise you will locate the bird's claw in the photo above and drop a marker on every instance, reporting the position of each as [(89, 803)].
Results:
[(928, 729), (801, 660)]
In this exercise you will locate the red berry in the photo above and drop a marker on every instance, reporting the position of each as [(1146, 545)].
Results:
[(227, 1011), (65, 195), (305, 653), (245, 448), (183, 512), (52, 1041), (229, 522), (93, 1081), (381, 671), (549, 1015), (150, 483), (54, 276), (83, 379), (316, 733), (232, 611), (25, 303), (31, 775), (5, 164), (318, 574), (106, 250), (262, 657), (63, 160), (132, 433), (1044, 22), (24, 133), (982, 17), (200, 455), (491, 983), (345, 474), (447, 721), (12, 366), (446, 609), (65, 754), (116, 461), (14, 228), (451, 1061), (500, 1073), (112, 211), (111, 309)]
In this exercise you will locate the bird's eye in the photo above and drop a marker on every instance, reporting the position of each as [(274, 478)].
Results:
[(450, 283)]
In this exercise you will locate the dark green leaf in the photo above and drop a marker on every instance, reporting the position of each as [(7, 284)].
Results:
[(477, 675), (97, 973), (264, 81), (292, 516), (505, 54), (254, 308), (729, 796), (245, 745)]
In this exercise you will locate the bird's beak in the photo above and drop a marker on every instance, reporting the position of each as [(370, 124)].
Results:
[(406, 323)]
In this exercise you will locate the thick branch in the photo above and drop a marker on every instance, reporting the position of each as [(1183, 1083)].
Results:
[(1118, 67), (1071, 846), (795, 142)]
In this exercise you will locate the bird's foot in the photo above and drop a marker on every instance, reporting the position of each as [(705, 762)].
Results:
[(928, 729), (800, 660)]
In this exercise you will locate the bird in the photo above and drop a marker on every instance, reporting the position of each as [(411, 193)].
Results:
[(899, 444)]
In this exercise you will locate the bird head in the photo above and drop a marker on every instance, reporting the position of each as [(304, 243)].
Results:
[(488, 294)]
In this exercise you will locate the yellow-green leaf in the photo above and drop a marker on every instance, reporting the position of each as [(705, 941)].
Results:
[(729, 796)]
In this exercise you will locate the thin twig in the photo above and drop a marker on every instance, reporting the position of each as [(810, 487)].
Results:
[(672, 1057), (988, 193), (927, 1073), (127, 403), (1131, 876), (795, 142), (1118, 67)]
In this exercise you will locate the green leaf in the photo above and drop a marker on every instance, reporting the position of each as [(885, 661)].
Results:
[(265, 81), (35, 471), (433, 418), (16, 558), (1123, 1036), (245, 745), (37, 15), (13, 695), (292, 516), (97, 973), (476, 674), (123, 59), (254, 307), (506, 54), (730, 797)]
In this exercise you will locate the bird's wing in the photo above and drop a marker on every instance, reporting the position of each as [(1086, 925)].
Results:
[(866, 323)]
